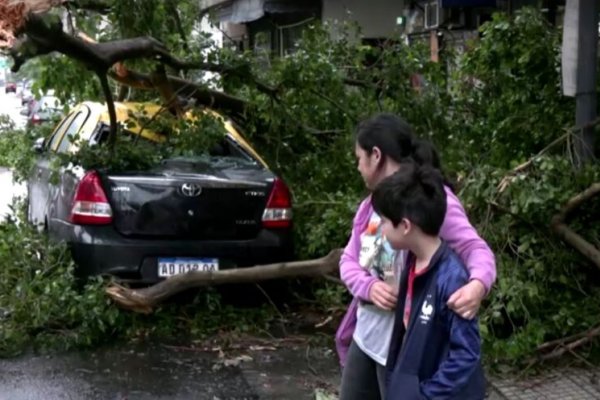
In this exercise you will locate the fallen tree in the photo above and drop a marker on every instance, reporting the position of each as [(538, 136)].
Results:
[(144, 300)]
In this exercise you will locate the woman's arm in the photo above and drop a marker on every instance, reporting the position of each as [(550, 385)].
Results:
[(475, 254), (357, 279), (466, 242)]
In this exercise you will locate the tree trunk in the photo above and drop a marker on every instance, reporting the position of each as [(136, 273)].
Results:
[(144, 300)]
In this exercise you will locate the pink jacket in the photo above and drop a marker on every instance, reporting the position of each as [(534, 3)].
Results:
[(456, 230)]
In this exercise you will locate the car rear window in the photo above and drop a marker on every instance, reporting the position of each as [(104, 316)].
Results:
[(227, 148)]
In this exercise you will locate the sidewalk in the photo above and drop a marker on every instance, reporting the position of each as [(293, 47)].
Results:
[(299, 371), (555, 384)]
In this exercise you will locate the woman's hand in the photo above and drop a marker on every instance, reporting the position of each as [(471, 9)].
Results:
[(383, 295), (466, 300)]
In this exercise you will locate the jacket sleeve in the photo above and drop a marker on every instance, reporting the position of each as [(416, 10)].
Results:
[(464, 353), (464, 240), (357, 279)]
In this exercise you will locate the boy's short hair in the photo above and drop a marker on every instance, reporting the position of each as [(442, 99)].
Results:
[(415, 193)]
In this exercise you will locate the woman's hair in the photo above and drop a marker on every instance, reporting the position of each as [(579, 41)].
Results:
[(395, 139)]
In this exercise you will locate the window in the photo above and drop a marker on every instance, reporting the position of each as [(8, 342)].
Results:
[(432, 15), (52, 142), (67, 138), (290, 35)]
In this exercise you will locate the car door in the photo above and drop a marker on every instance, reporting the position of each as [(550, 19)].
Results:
[(47, 189), (40, 175)]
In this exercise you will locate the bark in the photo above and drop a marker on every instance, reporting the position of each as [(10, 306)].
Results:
[(559, 226), (144, 300)]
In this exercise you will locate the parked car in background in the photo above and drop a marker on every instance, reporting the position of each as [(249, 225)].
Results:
[(43, 110), (10, 87), (218, 210)]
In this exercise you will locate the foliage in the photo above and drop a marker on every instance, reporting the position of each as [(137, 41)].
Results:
[(543, 285), (508, 87), (168, 137), (16, 147), (39, 301)]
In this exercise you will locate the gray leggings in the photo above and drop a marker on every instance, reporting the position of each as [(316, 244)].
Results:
[(362, 377)]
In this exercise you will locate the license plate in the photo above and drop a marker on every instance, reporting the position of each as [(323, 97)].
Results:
[(175, 266)]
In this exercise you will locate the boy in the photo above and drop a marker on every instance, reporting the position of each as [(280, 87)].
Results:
[(434, 353)]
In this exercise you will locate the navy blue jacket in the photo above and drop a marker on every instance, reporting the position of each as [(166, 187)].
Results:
[(438, 355)]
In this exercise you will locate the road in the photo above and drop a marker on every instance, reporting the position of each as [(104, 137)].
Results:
[(11, 106), (156, 372)]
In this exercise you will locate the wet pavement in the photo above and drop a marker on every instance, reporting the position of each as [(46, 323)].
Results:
[(168, 372), (128, 373)]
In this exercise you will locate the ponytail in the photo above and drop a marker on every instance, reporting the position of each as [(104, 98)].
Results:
[(424, 154)]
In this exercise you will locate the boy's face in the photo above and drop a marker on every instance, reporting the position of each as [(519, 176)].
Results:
[(397, 236)]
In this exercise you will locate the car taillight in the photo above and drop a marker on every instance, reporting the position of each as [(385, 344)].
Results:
[(278, 212), (35, 119), (90, 205)]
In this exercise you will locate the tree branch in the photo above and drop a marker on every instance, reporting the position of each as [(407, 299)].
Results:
[(559, 226), (144, 300), (99, 6), (161, 83), (172, 5), (569, 344), (210, 98), (522, 167), (359, 83)]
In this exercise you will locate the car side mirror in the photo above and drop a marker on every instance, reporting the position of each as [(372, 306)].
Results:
[(38, 145)]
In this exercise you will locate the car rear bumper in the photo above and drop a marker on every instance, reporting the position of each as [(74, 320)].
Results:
[(102, 250)]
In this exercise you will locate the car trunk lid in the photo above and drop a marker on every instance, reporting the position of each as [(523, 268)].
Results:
[(201, 198)]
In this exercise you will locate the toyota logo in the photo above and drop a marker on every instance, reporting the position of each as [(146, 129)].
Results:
[(191, 190)]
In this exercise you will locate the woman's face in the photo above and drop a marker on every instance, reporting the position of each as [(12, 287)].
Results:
[(368, 165)]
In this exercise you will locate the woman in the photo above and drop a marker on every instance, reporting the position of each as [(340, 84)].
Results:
[(370, 268)]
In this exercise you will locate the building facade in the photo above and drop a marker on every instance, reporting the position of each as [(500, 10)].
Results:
[(274, 26)]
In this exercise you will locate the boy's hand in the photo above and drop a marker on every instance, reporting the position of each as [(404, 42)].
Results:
[(383, 295), (466, 300)]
